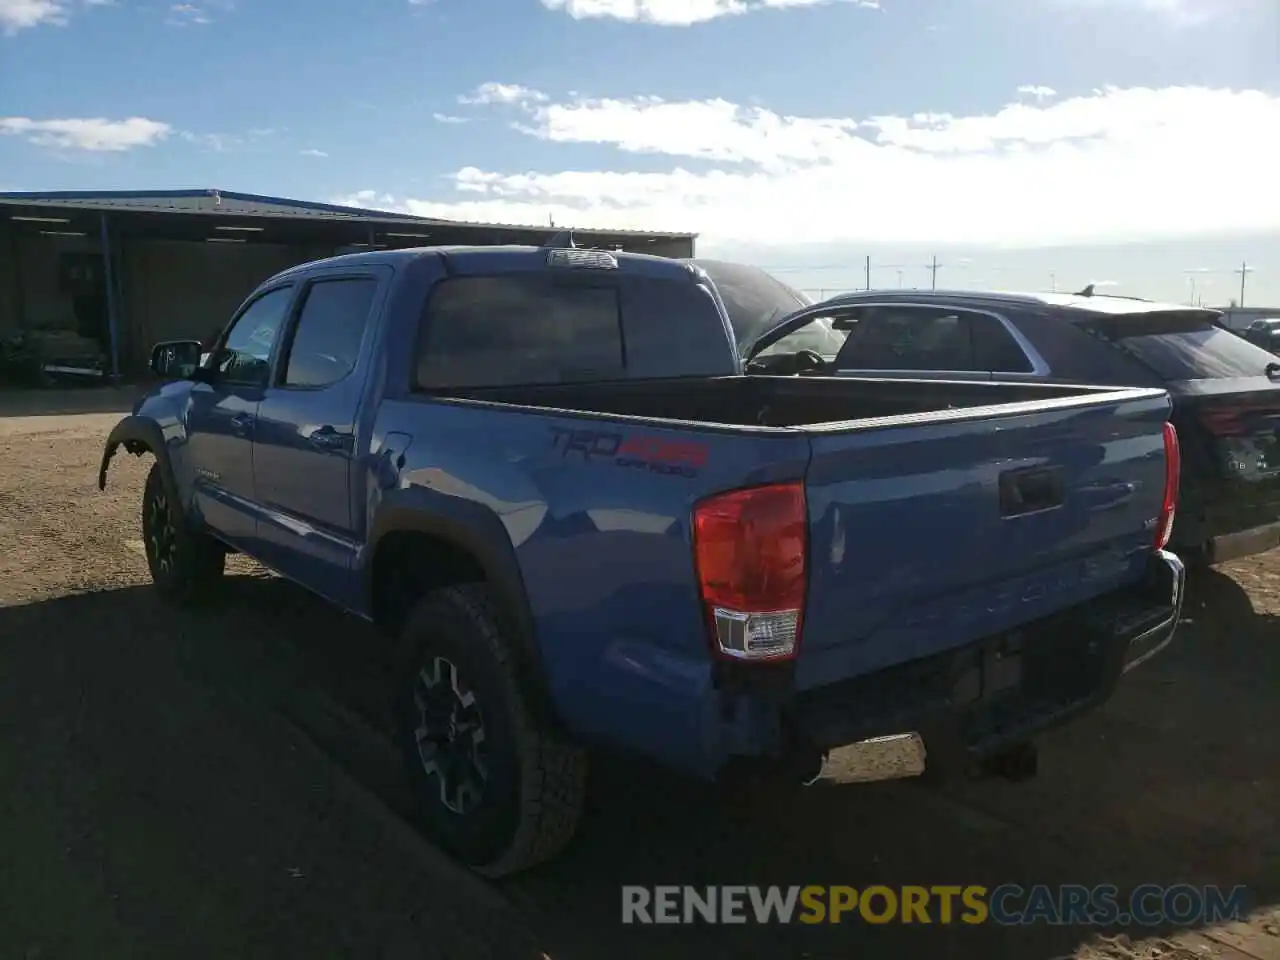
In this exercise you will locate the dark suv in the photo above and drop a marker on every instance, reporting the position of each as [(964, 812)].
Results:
[(1225, 388)]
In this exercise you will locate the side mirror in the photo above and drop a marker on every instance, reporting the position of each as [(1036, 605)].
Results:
[(176, 359)]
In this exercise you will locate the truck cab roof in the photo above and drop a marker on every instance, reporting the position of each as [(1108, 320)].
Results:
[(507, 258)]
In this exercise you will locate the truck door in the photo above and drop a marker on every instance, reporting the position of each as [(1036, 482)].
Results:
[(223, 414), (305, 448)]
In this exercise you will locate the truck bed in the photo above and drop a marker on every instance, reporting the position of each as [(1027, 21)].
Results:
[(775, 401), (914, 549)]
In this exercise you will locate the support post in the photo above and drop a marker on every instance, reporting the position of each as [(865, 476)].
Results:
[(109, 280)]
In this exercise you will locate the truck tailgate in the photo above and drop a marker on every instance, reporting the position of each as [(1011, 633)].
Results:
[(927, 536)]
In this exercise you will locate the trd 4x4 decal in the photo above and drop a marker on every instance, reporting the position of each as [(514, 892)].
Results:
[(670, 457)]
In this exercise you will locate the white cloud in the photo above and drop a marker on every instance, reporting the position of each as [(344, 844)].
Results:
[(181, 14), (370, 200), (91, 133), (1110, 165), (312, 152), (1182, 12), (705, 129), (18, 15), (1039, 93), (447, 118), (488, 93), (680, 13), (228, 142)]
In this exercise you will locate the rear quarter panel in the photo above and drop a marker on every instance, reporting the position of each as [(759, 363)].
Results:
[(597, 510)]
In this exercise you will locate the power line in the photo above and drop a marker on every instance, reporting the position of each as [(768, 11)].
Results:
[(847, 281), (1244, 272)]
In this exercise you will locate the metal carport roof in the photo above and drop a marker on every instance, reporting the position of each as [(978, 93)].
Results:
[(212, 203)]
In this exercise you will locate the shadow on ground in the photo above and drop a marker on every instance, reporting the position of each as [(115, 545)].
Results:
[(68, 401), (1176, 781)]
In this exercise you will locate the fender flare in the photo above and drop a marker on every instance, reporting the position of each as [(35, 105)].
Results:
[(140, 435), (478, 531)]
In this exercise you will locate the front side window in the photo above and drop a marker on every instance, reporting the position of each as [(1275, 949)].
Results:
[(245, 356), (819, 335), (519, 330), (331, 324), (908, 338)]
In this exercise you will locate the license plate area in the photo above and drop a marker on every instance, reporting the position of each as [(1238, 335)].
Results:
[(989, 670)]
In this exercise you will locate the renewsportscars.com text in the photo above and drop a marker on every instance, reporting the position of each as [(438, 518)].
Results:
[(1007, 905)]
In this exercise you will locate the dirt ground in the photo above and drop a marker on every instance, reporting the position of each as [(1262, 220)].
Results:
[(212, 784)]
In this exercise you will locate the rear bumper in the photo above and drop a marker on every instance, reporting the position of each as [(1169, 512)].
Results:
[(969, 703)]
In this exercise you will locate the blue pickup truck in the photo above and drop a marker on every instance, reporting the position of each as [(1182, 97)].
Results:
[(544, 474)]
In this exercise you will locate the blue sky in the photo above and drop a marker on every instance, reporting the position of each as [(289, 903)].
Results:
[(1134, 139)]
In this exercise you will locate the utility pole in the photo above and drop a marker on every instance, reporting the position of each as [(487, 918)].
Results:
[(933, 269), (1053, 282), (868, 272), (899, 279), (1244, 272), (1193, 290)]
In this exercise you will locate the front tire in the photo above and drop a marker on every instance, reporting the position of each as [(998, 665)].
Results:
[(185, 564), (496, 787)]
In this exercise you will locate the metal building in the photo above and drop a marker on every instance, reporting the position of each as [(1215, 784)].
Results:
[(107, 274)]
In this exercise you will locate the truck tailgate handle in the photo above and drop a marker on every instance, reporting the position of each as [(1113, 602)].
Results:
[(1030, 490)]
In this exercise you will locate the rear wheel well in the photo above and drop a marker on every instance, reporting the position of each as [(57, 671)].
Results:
[(408, 565)]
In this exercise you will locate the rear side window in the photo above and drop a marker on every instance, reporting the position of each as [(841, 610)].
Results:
[(673, 329), (326, 342), (1184, 346), (908, 338), (994, 348), (519, 330)]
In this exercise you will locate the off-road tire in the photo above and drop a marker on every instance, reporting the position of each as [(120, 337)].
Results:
[(186, 564), (532, 799)]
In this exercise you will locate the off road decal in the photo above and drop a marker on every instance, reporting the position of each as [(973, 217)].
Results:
[(680, 458)]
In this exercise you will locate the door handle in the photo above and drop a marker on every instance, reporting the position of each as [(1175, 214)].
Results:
[(242, 423), (327, 438)]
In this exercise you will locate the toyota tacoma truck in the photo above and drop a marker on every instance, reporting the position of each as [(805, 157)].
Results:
[(544, 474)]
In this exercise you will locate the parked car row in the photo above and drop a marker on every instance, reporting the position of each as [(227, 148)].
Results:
[(1225, 389), (1265, 332), (673, 508)]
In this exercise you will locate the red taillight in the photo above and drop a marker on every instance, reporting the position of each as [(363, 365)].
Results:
[(1172, 477), (749, 550)]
